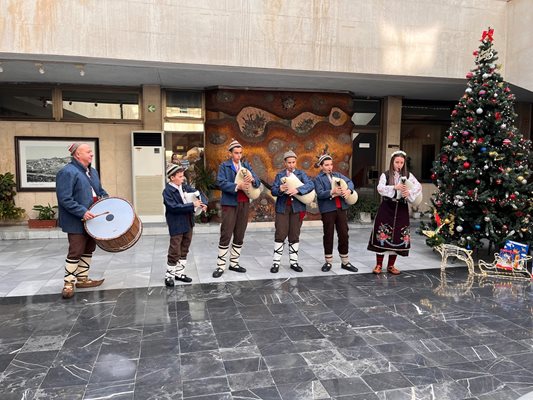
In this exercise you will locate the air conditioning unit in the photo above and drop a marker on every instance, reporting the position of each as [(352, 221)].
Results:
[(148, 159)]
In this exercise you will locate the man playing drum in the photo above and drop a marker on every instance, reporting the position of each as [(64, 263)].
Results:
[(235, 207), (332, 206), (289, 212), (78, 187)]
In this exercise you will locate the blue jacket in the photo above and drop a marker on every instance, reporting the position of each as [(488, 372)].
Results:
[(226, 182), (74, 195), (323, 192), (281, 200), (179, 215)]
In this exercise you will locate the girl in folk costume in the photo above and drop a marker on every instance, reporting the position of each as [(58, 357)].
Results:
[(391, 227)]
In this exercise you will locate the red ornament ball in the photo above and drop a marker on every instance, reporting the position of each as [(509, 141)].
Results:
[(433, 176), (466, 165), (512, 196), (498, 181), (478, 181)]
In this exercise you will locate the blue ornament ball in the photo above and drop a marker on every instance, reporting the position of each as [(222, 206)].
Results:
[(483, 149), (478, 227)]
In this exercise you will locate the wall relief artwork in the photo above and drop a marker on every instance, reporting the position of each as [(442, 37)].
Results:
[(268, 123)]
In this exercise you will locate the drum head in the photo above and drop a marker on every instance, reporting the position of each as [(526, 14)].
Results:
[(116, 221)]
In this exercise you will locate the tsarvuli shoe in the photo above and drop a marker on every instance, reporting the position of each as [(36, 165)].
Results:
[(217, 273), (349, 267), (377, 269), (296, 268), (237, 268), (274, 269), (88, 282), (326, 267), (393, 270), (68, 290), (183, 278)]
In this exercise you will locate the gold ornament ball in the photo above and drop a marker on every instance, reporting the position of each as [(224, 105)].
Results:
[(520, 178), (446, 221)]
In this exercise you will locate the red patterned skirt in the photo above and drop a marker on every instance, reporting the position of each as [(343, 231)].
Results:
[(391, 228)]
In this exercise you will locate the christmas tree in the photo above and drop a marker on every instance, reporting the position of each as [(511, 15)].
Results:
[(483, 173)]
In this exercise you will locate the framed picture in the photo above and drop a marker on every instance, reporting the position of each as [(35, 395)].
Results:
[(40, 158)]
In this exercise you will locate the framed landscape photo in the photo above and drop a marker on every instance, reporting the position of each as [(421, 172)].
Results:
[(39, 159)]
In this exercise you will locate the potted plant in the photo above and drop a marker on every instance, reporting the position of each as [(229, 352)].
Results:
[(45, 217), (364, 210), (204, 179), (8, 210)]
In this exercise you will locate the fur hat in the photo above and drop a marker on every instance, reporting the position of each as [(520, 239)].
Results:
[(288, 154)]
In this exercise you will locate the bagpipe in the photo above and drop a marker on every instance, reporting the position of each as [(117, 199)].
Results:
[(293, 182), (339, 182), (252, 192)]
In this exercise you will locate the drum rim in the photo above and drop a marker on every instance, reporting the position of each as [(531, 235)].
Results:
[(115, 237)]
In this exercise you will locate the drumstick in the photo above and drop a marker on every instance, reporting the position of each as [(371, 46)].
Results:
[(97, 215)]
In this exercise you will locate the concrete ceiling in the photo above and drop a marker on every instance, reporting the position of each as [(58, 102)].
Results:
[(136, 73)]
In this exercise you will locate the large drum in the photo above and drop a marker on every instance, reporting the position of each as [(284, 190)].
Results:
[(116, 227)]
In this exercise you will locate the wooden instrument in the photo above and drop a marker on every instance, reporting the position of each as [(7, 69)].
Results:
[(252, 193), (339, 182), (119, 230), (293, 182)]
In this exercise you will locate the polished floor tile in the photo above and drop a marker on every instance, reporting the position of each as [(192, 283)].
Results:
[(286, 337)]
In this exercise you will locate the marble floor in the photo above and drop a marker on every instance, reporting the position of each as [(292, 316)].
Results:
[(29, 267), (419, 335)]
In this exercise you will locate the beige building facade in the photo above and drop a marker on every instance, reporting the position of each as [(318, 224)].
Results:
[(404, 54)]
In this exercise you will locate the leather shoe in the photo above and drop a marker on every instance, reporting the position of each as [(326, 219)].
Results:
[(349, 267), (326, 267), (274, 269), (296, 268), (183, 278), (169, 282), (377, 269), (68, 290), (393, 270), (217, 273), (87, 283), (237, 268)]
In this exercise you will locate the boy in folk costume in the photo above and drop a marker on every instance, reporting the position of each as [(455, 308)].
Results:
[(235, 208), (391, 227), (289, 212), (179, 214), (332, 206)]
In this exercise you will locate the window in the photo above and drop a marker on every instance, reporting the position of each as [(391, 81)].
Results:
[(18, 102), (367, 112), (118, 105), (183, 104)]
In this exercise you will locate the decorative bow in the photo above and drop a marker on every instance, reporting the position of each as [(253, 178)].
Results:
[(487, 34)]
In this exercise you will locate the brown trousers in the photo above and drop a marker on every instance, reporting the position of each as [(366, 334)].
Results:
[(287, 224), (179, 247), (335, 220), (79, 244), (234, 223)]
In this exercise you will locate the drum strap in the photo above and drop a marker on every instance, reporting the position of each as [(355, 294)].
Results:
[(92, 184)]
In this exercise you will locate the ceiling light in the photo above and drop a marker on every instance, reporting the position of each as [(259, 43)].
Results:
[(40, 68), (1, 68), (81, 67)]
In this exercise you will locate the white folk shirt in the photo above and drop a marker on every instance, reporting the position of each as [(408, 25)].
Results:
[(384, 189)]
